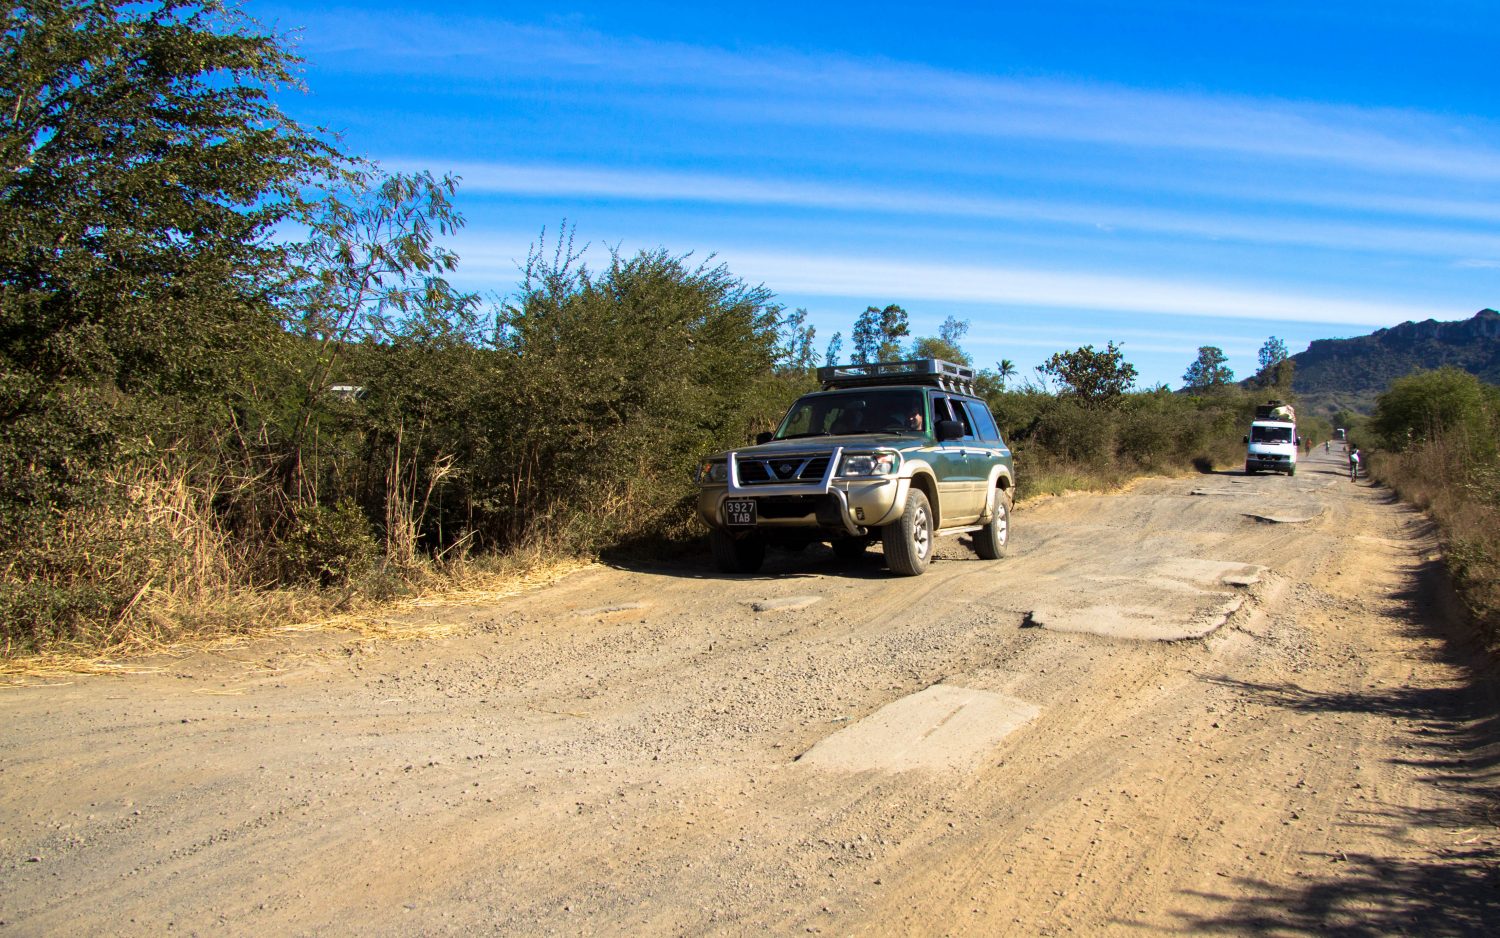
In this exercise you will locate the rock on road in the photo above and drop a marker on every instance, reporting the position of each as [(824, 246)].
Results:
[(1222, 704)]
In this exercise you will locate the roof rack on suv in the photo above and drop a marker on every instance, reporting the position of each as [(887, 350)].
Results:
[(929, 371)]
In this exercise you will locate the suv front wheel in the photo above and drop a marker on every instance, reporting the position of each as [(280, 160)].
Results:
[(737, 555), (908, 540)]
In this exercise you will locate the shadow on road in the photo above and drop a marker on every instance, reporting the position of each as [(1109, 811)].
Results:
[(815, 560), (1376, 896), (1453, 734)]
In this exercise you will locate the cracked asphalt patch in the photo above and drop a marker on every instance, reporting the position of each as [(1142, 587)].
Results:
[(942, 727), (1172, 599)]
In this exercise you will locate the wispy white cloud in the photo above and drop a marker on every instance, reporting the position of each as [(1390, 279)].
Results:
[(778, 86), (992, 333), (1097, 338), (1034, 289), (1052, 289), (1254, 226)]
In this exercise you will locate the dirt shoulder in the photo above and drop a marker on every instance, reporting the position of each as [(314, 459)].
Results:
[(1220, 704)]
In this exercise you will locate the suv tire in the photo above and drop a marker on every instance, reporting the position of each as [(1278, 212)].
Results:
[(908, 540), (737, 555), (992, 540)]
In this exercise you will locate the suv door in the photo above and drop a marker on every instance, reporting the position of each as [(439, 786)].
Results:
[(966, 483), (989, 449)]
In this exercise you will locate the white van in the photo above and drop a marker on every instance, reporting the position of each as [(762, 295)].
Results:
[(1271, 445)]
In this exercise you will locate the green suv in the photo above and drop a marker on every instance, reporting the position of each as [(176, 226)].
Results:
[(899, 451)]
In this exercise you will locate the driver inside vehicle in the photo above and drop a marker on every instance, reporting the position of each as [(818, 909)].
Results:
[(914, 419)]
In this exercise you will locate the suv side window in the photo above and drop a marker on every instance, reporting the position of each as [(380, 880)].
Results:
[(961, 414), (940, 411), (983, 420)]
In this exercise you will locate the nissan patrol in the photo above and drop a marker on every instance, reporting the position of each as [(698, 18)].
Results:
[(900, 452)]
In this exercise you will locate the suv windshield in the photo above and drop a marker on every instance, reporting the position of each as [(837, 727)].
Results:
[(874, 410)]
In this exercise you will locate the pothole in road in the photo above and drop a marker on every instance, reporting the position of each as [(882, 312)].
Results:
[(1138, 624), (941, 728), (783, 603), (1299, 518), (1173, 600), (612, 608)]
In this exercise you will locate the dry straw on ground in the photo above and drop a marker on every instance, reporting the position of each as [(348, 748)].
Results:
[(399, 620)]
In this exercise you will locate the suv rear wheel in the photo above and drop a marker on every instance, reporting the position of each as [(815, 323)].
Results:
[(908, 540), (737, 555), (992, 540)]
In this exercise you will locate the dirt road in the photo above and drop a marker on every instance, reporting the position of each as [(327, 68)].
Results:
[(1220, 704)]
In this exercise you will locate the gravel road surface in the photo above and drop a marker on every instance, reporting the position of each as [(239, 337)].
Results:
[(1218, 704)]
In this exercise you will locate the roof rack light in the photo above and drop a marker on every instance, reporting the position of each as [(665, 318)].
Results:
[(929, 371)]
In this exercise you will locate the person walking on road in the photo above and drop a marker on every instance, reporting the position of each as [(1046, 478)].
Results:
[(1354, 457)]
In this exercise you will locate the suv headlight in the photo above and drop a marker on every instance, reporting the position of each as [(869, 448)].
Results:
[(714, 471), (869, 464)]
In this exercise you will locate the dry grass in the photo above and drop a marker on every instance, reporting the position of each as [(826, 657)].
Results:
[(175, 582), (1444, 479), (278, 613), (147, 551)]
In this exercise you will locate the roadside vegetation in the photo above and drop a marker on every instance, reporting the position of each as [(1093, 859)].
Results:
[(1078, 425), (1437, 444)]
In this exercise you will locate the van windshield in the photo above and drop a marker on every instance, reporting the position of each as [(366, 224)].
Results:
[(1270, 434)]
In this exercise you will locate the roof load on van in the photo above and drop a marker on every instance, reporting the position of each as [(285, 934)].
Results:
[(1275, 410), (933, 372)]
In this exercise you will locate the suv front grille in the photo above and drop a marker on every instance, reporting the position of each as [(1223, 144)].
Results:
[(763, 470)]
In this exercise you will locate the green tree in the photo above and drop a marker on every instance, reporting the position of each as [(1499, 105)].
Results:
[(371, 272), (878, 333), (1347, 420), (1097, 378), (835, 349), (1208, 370), (1276, 367), (144, 171), (1428, 403), (990, 382), (614, 384), (143, 165), (944, 345), (797, 352)]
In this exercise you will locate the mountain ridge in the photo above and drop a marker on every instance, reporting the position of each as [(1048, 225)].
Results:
[(1339, 374)]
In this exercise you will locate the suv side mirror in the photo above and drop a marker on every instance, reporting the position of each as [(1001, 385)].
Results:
[(763, 436), (949, 430), (1247, 439)]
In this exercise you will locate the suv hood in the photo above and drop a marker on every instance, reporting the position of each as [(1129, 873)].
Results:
[(850, 441)]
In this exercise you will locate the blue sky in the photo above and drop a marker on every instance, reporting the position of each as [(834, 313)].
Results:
[(1164, 175)]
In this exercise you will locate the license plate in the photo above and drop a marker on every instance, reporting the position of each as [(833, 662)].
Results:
[(739, 512)]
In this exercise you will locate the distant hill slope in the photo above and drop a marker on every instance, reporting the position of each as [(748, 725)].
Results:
[(1349, 373)]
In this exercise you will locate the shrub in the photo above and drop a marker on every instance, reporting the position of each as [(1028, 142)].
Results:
[(147, 544), (1448, 402), (1451, 470), (328, 545)]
